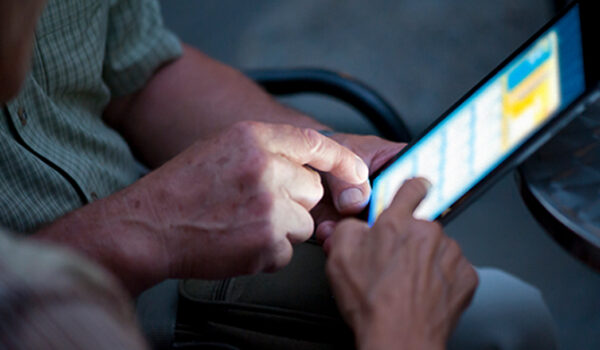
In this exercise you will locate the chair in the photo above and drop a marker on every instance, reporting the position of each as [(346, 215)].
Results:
[(362, 98)]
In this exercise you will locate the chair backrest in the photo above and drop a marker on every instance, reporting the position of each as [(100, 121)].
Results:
[(339, 86)]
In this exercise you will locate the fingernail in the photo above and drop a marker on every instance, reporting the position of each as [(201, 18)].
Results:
[(350, 197), (327, 228), (362, 171), (425, 183)]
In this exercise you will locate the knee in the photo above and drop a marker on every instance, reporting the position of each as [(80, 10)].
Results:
[(506, 313)]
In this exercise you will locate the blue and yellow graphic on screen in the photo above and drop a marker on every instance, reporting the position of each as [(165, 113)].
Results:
[(531, 91), (491, 124)]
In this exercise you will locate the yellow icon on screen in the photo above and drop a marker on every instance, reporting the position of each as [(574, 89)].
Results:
[(531, 91)]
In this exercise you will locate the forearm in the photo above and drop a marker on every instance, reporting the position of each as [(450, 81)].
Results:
[(117, 232), (393, 338), (190, 99), (17, 25)]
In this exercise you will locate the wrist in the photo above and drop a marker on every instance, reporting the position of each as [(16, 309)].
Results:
[(114, 233), (395, 341), (385, 334)]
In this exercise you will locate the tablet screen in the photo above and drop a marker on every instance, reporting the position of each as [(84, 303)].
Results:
[(492, 123)]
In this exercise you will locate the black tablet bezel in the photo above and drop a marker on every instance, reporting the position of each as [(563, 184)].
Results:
[(588, 10)]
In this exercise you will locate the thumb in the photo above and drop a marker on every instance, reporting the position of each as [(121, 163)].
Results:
[(348, 198)]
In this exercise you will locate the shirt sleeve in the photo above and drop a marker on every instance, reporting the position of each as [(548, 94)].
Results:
[(137, 44)]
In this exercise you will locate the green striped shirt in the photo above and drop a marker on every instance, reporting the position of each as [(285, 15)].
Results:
[(56, 154)]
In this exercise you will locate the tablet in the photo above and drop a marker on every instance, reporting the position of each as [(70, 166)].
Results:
[(525, 101)]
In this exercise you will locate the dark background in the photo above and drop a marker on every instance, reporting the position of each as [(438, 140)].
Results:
[(422, 56)]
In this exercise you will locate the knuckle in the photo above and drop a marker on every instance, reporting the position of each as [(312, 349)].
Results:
[(246, 134), (317, 190), (315, 178), (427, 235), (261, 205), (339, 256), (312, 139), (453, 247), (256, 165), (265, 259), (389, 224), (268, 240), (261, 233), (247, 128), (466, 274), (319, 194), (277, 257), (268, 166), (305, 231), (431, 229), (277, 264), (259, 247), (421, 227), (469, 276)]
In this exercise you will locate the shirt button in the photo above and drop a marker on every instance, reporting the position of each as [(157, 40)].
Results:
[(94, 196), (22, 116)]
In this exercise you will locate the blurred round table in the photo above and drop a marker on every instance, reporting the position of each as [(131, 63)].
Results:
[(561, 186)]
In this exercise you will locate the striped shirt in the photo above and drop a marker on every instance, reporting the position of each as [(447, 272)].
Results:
[(56, 153)]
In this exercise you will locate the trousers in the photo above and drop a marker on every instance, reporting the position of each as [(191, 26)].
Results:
[(294, 309), (505, 313)]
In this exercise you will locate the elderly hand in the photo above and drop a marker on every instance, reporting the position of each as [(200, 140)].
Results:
[(345, 198), (402, 281), (235, 204)]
